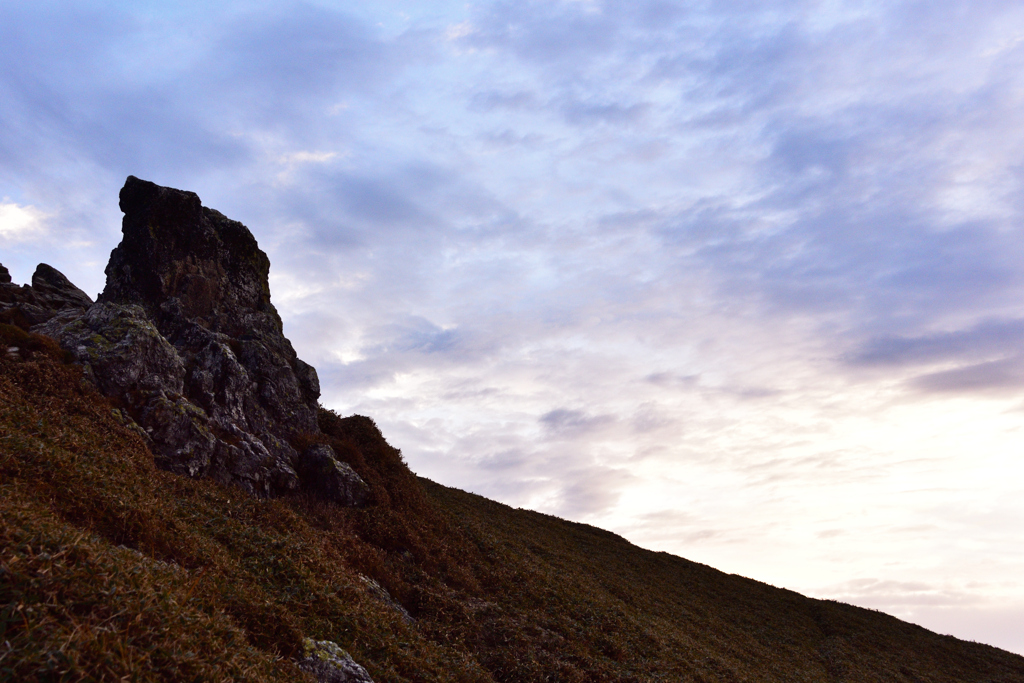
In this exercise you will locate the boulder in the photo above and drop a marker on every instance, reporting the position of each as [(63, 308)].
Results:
[(128, 359), (330, 663), (121, 351)]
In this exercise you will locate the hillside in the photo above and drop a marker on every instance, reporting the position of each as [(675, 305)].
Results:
[(176, 505), (113, 569)]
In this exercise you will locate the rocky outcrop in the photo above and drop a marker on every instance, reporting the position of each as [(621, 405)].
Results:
[(330, 663), (128, 359), (185, 339), (55, 292), (49, 294)]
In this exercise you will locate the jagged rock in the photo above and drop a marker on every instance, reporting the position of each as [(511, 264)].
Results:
[(128, 359), (330, 663), (185, 337), (122, 352), (54, 291), (49, 294), (184, 262)]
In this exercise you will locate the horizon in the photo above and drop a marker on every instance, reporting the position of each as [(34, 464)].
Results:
[(739, 283)]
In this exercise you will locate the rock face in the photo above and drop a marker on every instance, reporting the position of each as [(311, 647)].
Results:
[(185, 338)]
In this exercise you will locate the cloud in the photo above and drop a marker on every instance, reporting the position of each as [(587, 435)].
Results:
[(490, 100), (590, 491), (20, 223), (566, 423), (680, 526), (582, 113), (999, 376), (543, 32), (305, 157), (378, 203), (419, 335), (984, 339), (985, 357), (889, 594), (297, 51)]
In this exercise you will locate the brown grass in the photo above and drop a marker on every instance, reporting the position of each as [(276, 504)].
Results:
[(111, 569)]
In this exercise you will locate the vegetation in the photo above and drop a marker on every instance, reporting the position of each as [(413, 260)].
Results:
[(111, 569)]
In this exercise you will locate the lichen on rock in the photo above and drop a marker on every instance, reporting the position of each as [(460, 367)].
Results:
[(330, 663)]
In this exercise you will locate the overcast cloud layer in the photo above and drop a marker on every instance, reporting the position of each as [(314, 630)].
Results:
[(740, 281)]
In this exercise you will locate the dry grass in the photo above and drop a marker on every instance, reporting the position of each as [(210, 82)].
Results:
[(113, 570)]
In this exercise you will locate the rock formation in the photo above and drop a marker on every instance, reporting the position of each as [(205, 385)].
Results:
[(327, 661), (49, 294), (184, 338)]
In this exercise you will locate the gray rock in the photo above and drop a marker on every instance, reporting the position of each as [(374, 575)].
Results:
[(330, 663), (31, 313), (5, 275), (128, 359), (122, 352), (181, 432)]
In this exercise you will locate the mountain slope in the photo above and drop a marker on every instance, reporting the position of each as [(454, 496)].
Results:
[(664, 617), (111, 568)]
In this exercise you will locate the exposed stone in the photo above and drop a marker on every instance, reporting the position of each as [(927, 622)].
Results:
[(128, 359), (184, 262), (184, 336), (122, 352), (331, 478), (330, 663), (54, 291), (49, 294)]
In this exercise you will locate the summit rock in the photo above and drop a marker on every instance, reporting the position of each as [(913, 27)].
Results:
[(184, 337)]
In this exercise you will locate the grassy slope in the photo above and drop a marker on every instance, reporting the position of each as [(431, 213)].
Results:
[(660, 616), (111, 568)]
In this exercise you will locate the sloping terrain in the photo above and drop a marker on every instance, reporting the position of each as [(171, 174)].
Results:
[(112, 569)]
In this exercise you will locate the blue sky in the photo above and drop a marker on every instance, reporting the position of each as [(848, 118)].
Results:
[(741, 281)]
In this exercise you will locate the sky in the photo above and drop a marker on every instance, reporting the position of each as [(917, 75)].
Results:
[(740, 281)]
